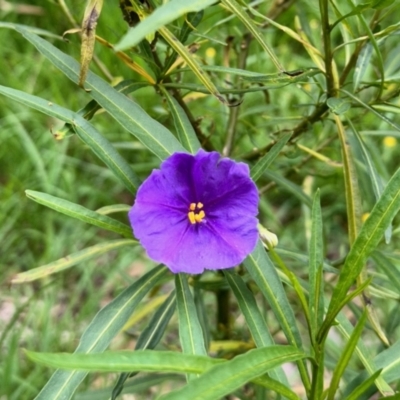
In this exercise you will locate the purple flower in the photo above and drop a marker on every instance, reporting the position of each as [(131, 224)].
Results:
[(197, 212)]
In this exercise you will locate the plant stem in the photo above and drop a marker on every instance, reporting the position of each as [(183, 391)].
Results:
[(326, 31), (234, 111)]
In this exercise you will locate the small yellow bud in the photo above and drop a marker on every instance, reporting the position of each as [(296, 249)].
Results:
[(269, 238), (389, 141), (210, 52)]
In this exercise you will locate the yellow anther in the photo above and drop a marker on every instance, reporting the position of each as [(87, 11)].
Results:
[(192, 217)]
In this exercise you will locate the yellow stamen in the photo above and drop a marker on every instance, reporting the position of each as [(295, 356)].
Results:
[(192, 217), (199, 217), (200, 205), (192, 206)]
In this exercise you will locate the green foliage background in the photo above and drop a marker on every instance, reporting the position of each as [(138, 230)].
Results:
[(309, 100)]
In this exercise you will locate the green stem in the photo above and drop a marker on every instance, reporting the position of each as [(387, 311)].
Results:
[(326, 31)]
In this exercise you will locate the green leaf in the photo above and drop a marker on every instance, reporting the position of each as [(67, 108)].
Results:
[(224, 378), (99, 145), (237, 9), (281, 79), (276, 387), (127, 361), (389, 361), (362, 64), (79, 212), (338, 106), (184, 129), (345, 356), (98, 335), (264, 274), (150, 336), (258, 169), (370, 235), (361, 389), (346, 328), (289, 186), (369, 108), (388, 268), (376, 181), (131, 116), (254, 319), (162, 16), (32, 29), (139, 384), (192, 63), (190, 332), (316, 304), (71, 260), (114, 208)]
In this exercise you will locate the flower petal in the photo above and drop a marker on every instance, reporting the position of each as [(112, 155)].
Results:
[(226, 234)]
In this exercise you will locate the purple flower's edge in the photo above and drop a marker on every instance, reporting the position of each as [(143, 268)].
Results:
[(225, 203)]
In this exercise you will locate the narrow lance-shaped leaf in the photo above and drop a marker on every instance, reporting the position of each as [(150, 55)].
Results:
[(316, 305), (130, 115), (99, 144), (345, 356), (190, 332), (98, 335), (92, 13), (237, 9), (376, 181), (369, 108), (224, 378), (368, 239), (346, 328), (79, 212), (71, 260), (353, 202), (362, 65), (264, 274), (361, 389), (268, 159), (126, 361), (184, 129), (150, 336), (254, 319), (160, 17)]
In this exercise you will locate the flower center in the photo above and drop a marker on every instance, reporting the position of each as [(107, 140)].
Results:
[(196, 214)]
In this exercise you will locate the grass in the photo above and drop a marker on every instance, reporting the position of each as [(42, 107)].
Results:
[(50, 315)]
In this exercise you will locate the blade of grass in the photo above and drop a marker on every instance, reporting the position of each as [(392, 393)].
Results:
[(71, 260), (98, 335)]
